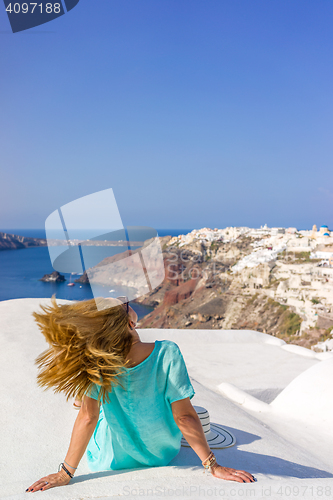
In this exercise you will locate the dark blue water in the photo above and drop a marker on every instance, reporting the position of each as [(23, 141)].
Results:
[(21, 270)]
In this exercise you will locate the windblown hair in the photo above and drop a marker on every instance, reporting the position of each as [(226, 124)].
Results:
[(87, 346)]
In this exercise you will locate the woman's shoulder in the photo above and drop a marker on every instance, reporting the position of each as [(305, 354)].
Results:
[(168, 346)]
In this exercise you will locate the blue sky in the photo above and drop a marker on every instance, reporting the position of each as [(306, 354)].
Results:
[(197, 113)]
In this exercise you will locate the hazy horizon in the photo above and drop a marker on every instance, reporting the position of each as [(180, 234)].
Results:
[(176, 228)]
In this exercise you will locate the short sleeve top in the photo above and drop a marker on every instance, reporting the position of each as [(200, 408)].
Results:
[(136, 428)]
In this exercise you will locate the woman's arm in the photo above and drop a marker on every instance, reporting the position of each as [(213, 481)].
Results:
[(83, 429), (190, 426)]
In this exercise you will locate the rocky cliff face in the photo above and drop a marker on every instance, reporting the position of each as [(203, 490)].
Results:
[(179, 293), (199, 291), (83, 279), (13, 242)]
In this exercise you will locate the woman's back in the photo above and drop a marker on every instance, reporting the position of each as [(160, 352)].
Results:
[(139, 352), (136, 428)]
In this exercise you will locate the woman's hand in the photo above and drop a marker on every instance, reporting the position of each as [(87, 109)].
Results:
[(241, 476), (50, 481)]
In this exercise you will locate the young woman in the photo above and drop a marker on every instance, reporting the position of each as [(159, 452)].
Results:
[(135, 396)]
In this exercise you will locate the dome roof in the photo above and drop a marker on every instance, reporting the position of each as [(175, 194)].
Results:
[(326, 234), (324, 226)]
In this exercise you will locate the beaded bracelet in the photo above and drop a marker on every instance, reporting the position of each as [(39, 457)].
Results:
[(209, 462), (62, 466)]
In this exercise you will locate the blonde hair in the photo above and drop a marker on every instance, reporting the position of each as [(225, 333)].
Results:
[(88, 345)]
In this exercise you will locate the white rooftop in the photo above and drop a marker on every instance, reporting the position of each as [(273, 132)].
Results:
[(276, 399)]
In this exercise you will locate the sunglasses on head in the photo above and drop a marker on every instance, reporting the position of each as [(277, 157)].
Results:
[(125, 301)]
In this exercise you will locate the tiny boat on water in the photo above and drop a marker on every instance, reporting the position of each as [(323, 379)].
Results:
[(70, 281)]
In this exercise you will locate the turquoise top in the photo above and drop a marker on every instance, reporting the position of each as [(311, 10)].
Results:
[(137, 428)]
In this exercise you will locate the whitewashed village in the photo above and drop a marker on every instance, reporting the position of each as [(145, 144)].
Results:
[(289, 267)]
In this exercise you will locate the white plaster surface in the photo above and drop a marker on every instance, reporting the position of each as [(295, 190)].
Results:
[(287, 448), (297, 349)]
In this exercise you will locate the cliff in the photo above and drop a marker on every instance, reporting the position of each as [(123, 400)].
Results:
[(14, 242), (200, 290)]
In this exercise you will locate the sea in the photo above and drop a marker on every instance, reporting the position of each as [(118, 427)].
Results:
[(22, 269)]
